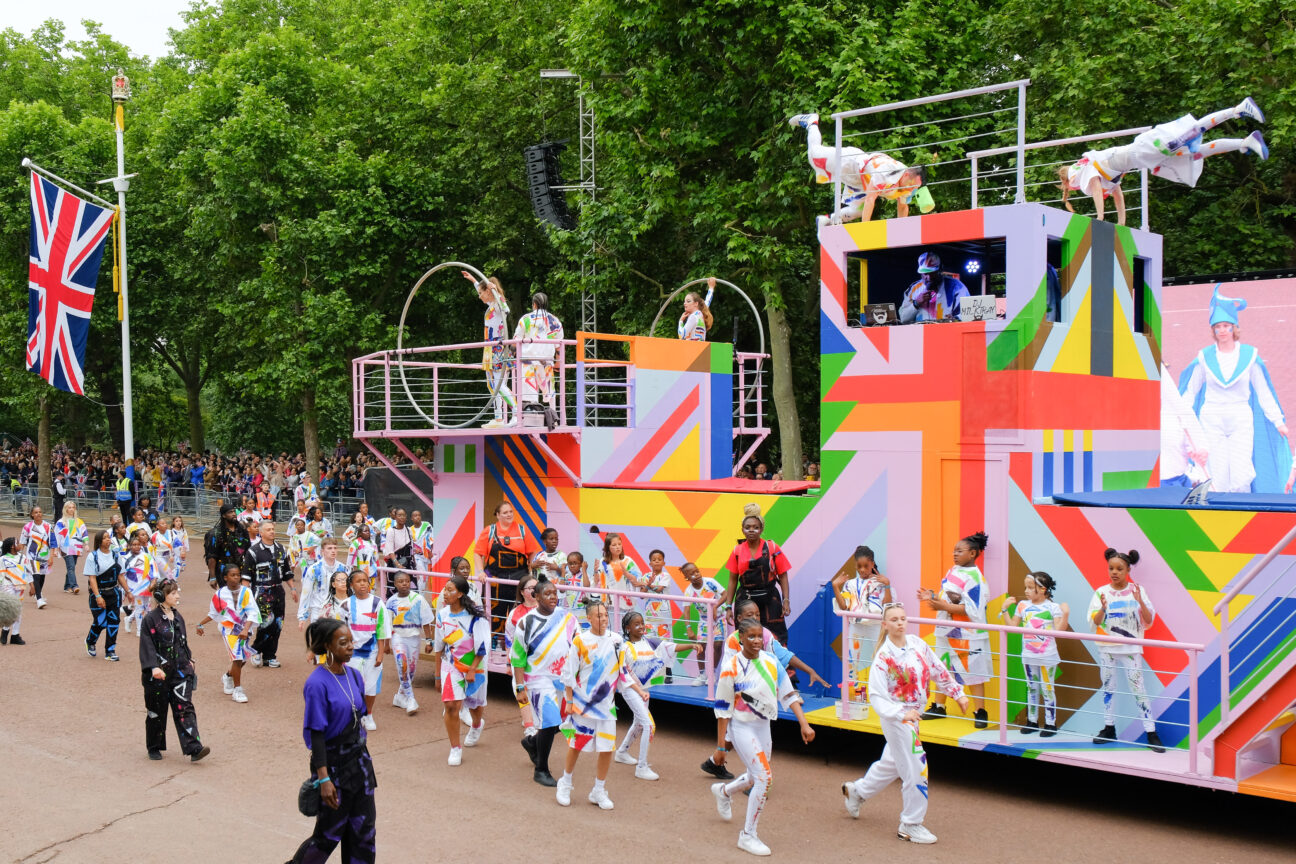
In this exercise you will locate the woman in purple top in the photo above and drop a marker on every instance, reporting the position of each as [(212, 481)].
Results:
[(331, 727)]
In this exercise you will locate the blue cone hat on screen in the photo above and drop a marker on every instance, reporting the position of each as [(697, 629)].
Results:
[(1225, 309), (928, 262)]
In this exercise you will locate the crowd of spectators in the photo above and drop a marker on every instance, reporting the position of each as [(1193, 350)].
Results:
[(764, 471)]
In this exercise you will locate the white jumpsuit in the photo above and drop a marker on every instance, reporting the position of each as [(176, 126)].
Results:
[(898, 682), (1226, 415)]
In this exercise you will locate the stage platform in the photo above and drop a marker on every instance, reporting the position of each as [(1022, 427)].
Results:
[(1172, 498)]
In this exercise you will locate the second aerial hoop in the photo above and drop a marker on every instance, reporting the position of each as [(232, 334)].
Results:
[(760, 325), (400, 347)]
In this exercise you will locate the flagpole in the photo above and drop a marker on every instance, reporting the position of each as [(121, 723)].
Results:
[(120, 93)]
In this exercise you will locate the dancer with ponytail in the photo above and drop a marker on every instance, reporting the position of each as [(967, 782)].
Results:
[(697, 318), (540, 647), (462, 631), (962, 597), (867, 591), (1039, 653), (645, 665), (1123, 608)]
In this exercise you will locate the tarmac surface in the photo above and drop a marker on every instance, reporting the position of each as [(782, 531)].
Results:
[(81, 788)]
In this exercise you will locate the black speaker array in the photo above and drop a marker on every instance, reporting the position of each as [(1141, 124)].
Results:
[(543, 174)]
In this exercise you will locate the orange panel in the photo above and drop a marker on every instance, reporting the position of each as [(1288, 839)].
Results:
[(1287, 749), (675, 355), (949, 227)]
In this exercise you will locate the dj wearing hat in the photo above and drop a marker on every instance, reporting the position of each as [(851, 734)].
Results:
[(936, 296)]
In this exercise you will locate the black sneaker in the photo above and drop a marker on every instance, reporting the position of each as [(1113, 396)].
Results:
[(1154, 742), (544, 778), (155, 755), (17, 640), (934, 710), (1106, 736), (113, 657), (1029, 728), (717, 771), (1049, 730), (4, 636), (200, 755), (529, 745), (980, 719), (90, 649)]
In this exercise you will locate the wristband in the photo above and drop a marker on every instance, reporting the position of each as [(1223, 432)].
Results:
[(320, 781)]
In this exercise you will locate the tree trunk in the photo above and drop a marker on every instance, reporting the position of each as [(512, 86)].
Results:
[(44, 455), (310, 432), (193, 399), (110, 393), (784, 391)]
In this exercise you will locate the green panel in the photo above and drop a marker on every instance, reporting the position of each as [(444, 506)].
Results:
[(831, 415), (831, 465), (1151, 313), (831, 367), (722, 357), (1005, 347), (447, 459), (470, 458), (1115, 480), (1126, 246), (1073, 236), (1173, 533)]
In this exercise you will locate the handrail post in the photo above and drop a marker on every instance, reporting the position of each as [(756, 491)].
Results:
[(709, 660), (1226, 688), (436, 396), (1143, 199), (1192, 712), (845, 710), (1003, 688), (1021, 144), (387, 395), (975, 168), (837, 178)]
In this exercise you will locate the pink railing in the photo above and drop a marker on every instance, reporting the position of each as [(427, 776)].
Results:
[(749, 402), (497, 662), (1190, 648)]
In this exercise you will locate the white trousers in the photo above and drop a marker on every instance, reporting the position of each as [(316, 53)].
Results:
[(1230, 439), (902, 757), (824, 161), (7, 588), (641, 729), (753, 745), (1133, 666), (405, 650)]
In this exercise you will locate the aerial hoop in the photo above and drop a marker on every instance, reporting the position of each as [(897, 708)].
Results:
[(400, 348), (760, 325)]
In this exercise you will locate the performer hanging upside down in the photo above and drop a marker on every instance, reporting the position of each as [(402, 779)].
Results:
[(1171, 150), (866, 176)]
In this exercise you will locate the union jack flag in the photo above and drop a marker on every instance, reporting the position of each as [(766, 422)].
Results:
[(67, 243)]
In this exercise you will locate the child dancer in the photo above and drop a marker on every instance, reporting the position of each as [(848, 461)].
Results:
[(574, 575), (36, 543), (549, 560), (235, 611), (1123, 609), (179, 544), (411, 621), (163, 553), (962, 597), (138, 569), (867, 591), (461, 630), (540, 646), (616, 570), (168, 675), (370, 630), (14, 580), (107, 585), (363, 554), (317, 584), (526, 602), (747, 697), (591, 676), (903, 668), (71, 535), (421, 540), (1039, 653), (645, 666), (657, 613), (703, 587)]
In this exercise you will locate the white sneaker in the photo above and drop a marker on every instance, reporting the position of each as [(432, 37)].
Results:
[(256, 660), (724, 804), (564, 792), (367, 721), (1256, 144), (465, 716), (493, 424), (853, 799), (474, 735), (751, 843), (600, 797), (126, 628), (228, 683), (273, 663), (916, 834), (398, 701), (1250, 109), (411, 707), (456, 756), (645, 772), (40, 603), (625, 758), (238, 695), (803, 120)]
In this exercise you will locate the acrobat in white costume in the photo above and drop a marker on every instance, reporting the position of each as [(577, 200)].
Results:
[(1173, 150), (866, 176), (898, 682)]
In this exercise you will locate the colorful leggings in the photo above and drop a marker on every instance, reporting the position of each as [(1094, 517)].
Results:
[(406, 651), (1133, 666), (1041, 678), (497, 378), (752, 744)]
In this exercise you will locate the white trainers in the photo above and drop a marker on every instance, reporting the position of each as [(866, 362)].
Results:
[(398, 701), (256, 660), (465, 716), (724, 804), (625, 758), (645, 772), (238, 695), (564, 792), (126, 628), (600, 797), (367, 721), (751, 843), (40, 603), (493, 424), (916, 834), (804, 121), (1256, 144), (1249, 108), (228, 683), (474, 735), (411, 706), (853, 799), (456, 756)]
